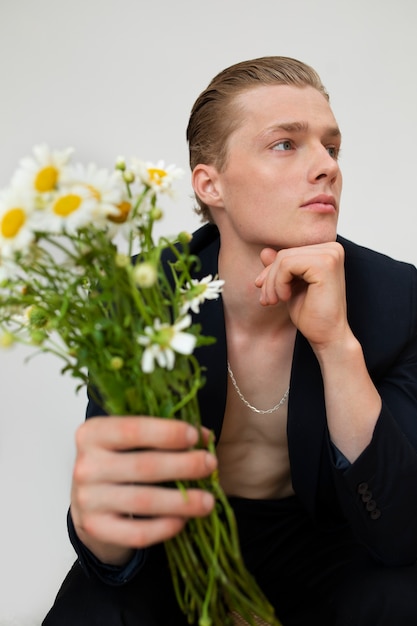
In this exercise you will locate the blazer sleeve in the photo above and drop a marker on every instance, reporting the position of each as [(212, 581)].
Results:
[(378, 492)]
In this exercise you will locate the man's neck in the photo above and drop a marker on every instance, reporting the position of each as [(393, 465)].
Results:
[(241, 296)]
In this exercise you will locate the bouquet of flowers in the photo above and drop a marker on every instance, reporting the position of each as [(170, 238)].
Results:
[(120, 323)]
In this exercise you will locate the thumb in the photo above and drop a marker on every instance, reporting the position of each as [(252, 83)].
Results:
[(268, 256)]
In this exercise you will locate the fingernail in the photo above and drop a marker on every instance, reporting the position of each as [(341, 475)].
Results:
[(192, 436), (208, 501), (211, 462)]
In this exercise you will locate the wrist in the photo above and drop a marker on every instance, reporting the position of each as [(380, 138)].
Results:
[(107, 554), (338, 351)]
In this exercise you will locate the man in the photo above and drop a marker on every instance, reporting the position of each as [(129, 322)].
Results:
[(323, 485)]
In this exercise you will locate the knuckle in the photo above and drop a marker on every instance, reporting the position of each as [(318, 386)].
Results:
[(82, 499), (81, 436), (130, 428), (332, 260), (143, 501), (338, 251), (82, 470), (88, 433), (144, 465), (89, 526)]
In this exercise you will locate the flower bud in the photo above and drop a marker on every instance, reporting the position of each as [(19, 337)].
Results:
[(145, 274), (156, 213), (6, 340), (120, 163), (128, 176), (38, 337), (37, 317), (184, 237), (122, 260), (116, 363)]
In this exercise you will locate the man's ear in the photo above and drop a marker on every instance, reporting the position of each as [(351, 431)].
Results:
[(206, 184)]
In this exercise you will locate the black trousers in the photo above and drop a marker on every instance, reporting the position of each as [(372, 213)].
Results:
[(311, 576)]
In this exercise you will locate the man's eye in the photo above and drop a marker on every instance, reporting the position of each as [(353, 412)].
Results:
[(333, 151), (283, 145)]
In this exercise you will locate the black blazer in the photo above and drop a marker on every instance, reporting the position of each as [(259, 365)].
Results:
[(377, 495)]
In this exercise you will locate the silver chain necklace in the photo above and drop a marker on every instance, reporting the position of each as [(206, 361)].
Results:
[(250, 406)]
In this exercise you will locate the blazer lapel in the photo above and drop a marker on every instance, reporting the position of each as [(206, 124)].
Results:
[(212, 358), (306, 426)]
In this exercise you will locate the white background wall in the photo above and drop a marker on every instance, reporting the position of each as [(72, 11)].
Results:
[(114, 77)]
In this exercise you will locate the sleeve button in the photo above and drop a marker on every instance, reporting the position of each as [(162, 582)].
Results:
[(362, 488)]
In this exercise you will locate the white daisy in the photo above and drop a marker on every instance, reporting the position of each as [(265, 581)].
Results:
[(42, 172), (4, 275), (69, 211), (163, 340), (107, 189), (122, 222), (197, 291), (17, 226), (156, 176)]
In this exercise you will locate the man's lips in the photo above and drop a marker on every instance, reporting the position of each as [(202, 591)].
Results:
[(322, 203)]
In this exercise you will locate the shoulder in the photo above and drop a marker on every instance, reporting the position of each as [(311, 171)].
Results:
[(205, 240), (205, 245), (381, 294), (364, 265)]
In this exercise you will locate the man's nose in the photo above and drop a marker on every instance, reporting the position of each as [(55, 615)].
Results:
[(324, 165)]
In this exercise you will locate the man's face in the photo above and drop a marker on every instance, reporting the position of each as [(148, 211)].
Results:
[(281, 184)]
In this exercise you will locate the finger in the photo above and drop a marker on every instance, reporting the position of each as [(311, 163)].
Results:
[(127, 433), (207, 435), (260, 279), (280, 278), (144, 501), (268, 256), (143, 466), (130, 532), (267, 281)]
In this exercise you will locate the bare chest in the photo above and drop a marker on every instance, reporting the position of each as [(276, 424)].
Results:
[(253, 450)]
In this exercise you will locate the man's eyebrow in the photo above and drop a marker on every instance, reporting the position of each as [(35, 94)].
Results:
[(300, 127)]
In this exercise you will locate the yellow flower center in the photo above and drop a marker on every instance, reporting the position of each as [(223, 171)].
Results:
[(46, 179), (156, 175), (66, 205), (164, 336), (197, 290), (124, 208), (12, 222)]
